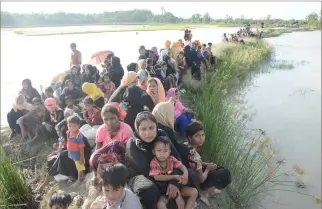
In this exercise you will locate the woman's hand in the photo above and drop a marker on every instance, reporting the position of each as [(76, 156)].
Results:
[(184, 179), (180, 202), (172, 191)]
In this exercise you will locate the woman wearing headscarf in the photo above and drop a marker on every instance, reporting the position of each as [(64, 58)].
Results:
[(143, 74), (165, 51), (91, 74), (75, 76), (155, 55), (53, 115), (132, 103), (116, 70), (138, 155), (129, 79), (183, 115), (111, 138), (95, 93), (19, 109), (155, 90), (28, 91)]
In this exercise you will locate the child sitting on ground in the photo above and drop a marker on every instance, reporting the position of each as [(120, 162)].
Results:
[(165, 168), (70, 104), (107, 86), (75, 145), (60, 200), (91, 113), (117, 196)]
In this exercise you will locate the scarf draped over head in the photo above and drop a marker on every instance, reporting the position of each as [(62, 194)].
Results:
[(167, 44), (118, 107), (20, 103), (164, 113), (133, 97), (50, 104), (143, 74), (129, 78), (161, 92), (92, 90), (197, 42), (171, 93), (155, 51)]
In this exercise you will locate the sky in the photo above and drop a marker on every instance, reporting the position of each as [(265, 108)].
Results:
[(256, 10)]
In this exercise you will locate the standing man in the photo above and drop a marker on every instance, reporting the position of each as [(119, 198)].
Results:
[(76, 56)]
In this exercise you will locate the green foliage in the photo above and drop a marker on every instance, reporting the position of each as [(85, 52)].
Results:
[(14, 191), (142, 16)]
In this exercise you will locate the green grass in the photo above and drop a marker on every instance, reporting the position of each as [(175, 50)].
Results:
[(14, 191), (248, 157)]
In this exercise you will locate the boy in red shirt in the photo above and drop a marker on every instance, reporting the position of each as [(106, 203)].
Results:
[(75, 145), (163, 168)]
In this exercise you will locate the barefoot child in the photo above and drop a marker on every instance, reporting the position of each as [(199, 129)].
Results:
[(117, 196), (164, 169), (75, 145)]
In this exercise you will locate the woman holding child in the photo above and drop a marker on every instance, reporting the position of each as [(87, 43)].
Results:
[(139, 153)]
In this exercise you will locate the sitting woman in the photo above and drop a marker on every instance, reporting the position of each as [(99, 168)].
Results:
[(116, 70), (129, 79), (74, 76), (138, 156), (70, 90), (28, 91), (183, 115), (30, 121), (143, 74), (53, 115), (19, 109), (95, 93), (91, 74), (107, 86), (113, 128), (212, 178), (155, 90), (91, 114)]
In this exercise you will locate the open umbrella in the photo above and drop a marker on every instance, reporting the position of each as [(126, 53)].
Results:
[(99, 57)]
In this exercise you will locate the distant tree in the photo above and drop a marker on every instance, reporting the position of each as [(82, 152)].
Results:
[(206, 18)]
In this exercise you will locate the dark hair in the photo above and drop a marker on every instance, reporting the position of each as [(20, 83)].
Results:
[(49, 89), (166, 58), (193, 128), (142, 116), (141, 47), (68, 97), (161, 139), (115, 175), (36, 99), (132, 67), (209, 44), (72, 45), (142, 57), (28, 81), (149, 61), (88, 100), (67, 81), (110, 109), (204, 45), (199, 47), (62, 128), (61, 199), (74, 119)]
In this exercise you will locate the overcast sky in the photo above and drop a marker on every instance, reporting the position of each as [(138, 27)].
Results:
[(284, 10)]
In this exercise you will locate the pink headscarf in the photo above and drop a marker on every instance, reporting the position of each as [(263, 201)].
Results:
[(155, 50), (50, 104), (171, 93)]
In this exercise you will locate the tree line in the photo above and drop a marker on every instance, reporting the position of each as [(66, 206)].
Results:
[(141, 16)]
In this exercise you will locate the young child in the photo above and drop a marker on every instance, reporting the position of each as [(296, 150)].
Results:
[(70, 104), (107, 86), (117, 196), (165, 168), (60, 200), (91, 114), (75, 145)]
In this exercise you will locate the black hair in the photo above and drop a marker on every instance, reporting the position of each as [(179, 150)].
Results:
[(199, 47), (209, 44), (141, 47), (132, 67), (142, 57), (68, 97), (110, 109), (193, 128), (88, 100), (28, 81), (36, 99), (149, 61), (204, 45), (115, 176), (60, 198), (72, 45), (74, 119), (161, 139), (67, 81), (49, 89)]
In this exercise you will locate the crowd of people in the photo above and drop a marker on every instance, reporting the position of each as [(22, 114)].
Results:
[(146, 150), (241, 33)]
